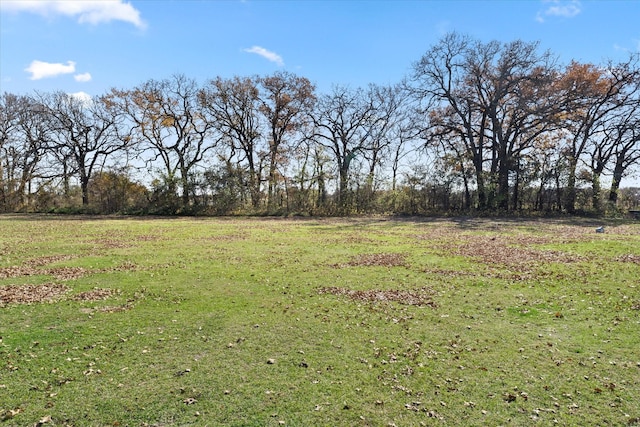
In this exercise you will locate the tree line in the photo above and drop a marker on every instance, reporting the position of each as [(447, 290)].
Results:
[(475, 126)]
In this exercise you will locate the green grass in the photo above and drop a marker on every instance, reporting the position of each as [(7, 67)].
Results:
[(223, 322)]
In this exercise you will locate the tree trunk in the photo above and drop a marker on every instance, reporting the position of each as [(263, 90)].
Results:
[(482, 192), (596, 189), (272, 182), (558, 192), (343, 187), (503, 182), (615, 182), (84, 186), (185, 190), (570, 202)]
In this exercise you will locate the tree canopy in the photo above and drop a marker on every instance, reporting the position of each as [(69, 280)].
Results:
[(475, 126)]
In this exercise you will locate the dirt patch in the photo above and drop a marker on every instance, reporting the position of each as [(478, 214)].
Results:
[(371, 260), (27, 294), (420, 297)]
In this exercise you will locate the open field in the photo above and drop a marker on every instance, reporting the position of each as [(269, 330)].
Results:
[(318, 322)]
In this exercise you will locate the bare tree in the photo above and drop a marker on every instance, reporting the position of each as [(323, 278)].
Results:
[(625, 140), (23, 138), (384, 129), (285, 103), (615, 136), (592, 95), (232, 107), (168, 118), (344, 122), (442, 84), (493, 99), (83, 131)]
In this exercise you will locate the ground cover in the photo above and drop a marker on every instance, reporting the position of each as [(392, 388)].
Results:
[(327, 322)]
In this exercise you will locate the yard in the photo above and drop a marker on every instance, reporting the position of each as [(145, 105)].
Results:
[(318, 322)]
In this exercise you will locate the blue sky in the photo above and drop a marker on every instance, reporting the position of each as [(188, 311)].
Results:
[(83, 46)]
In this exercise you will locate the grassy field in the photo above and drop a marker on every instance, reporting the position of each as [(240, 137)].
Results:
[(318, 322)]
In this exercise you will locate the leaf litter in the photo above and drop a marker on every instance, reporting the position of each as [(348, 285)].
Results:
[(26, 294), (47, 293), (373, 260), (420, 297)]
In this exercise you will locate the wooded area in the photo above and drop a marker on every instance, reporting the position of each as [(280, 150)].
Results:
[(475, 126)]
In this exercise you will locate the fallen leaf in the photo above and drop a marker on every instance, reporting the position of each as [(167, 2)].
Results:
[(510, 397), (44, 420)]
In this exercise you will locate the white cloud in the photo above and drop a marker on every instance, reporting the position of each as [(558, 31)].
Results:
[(84, 77), (271, 56), (40, 70), (86, 11), (621, 48), (83, 97), (564, 9)]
